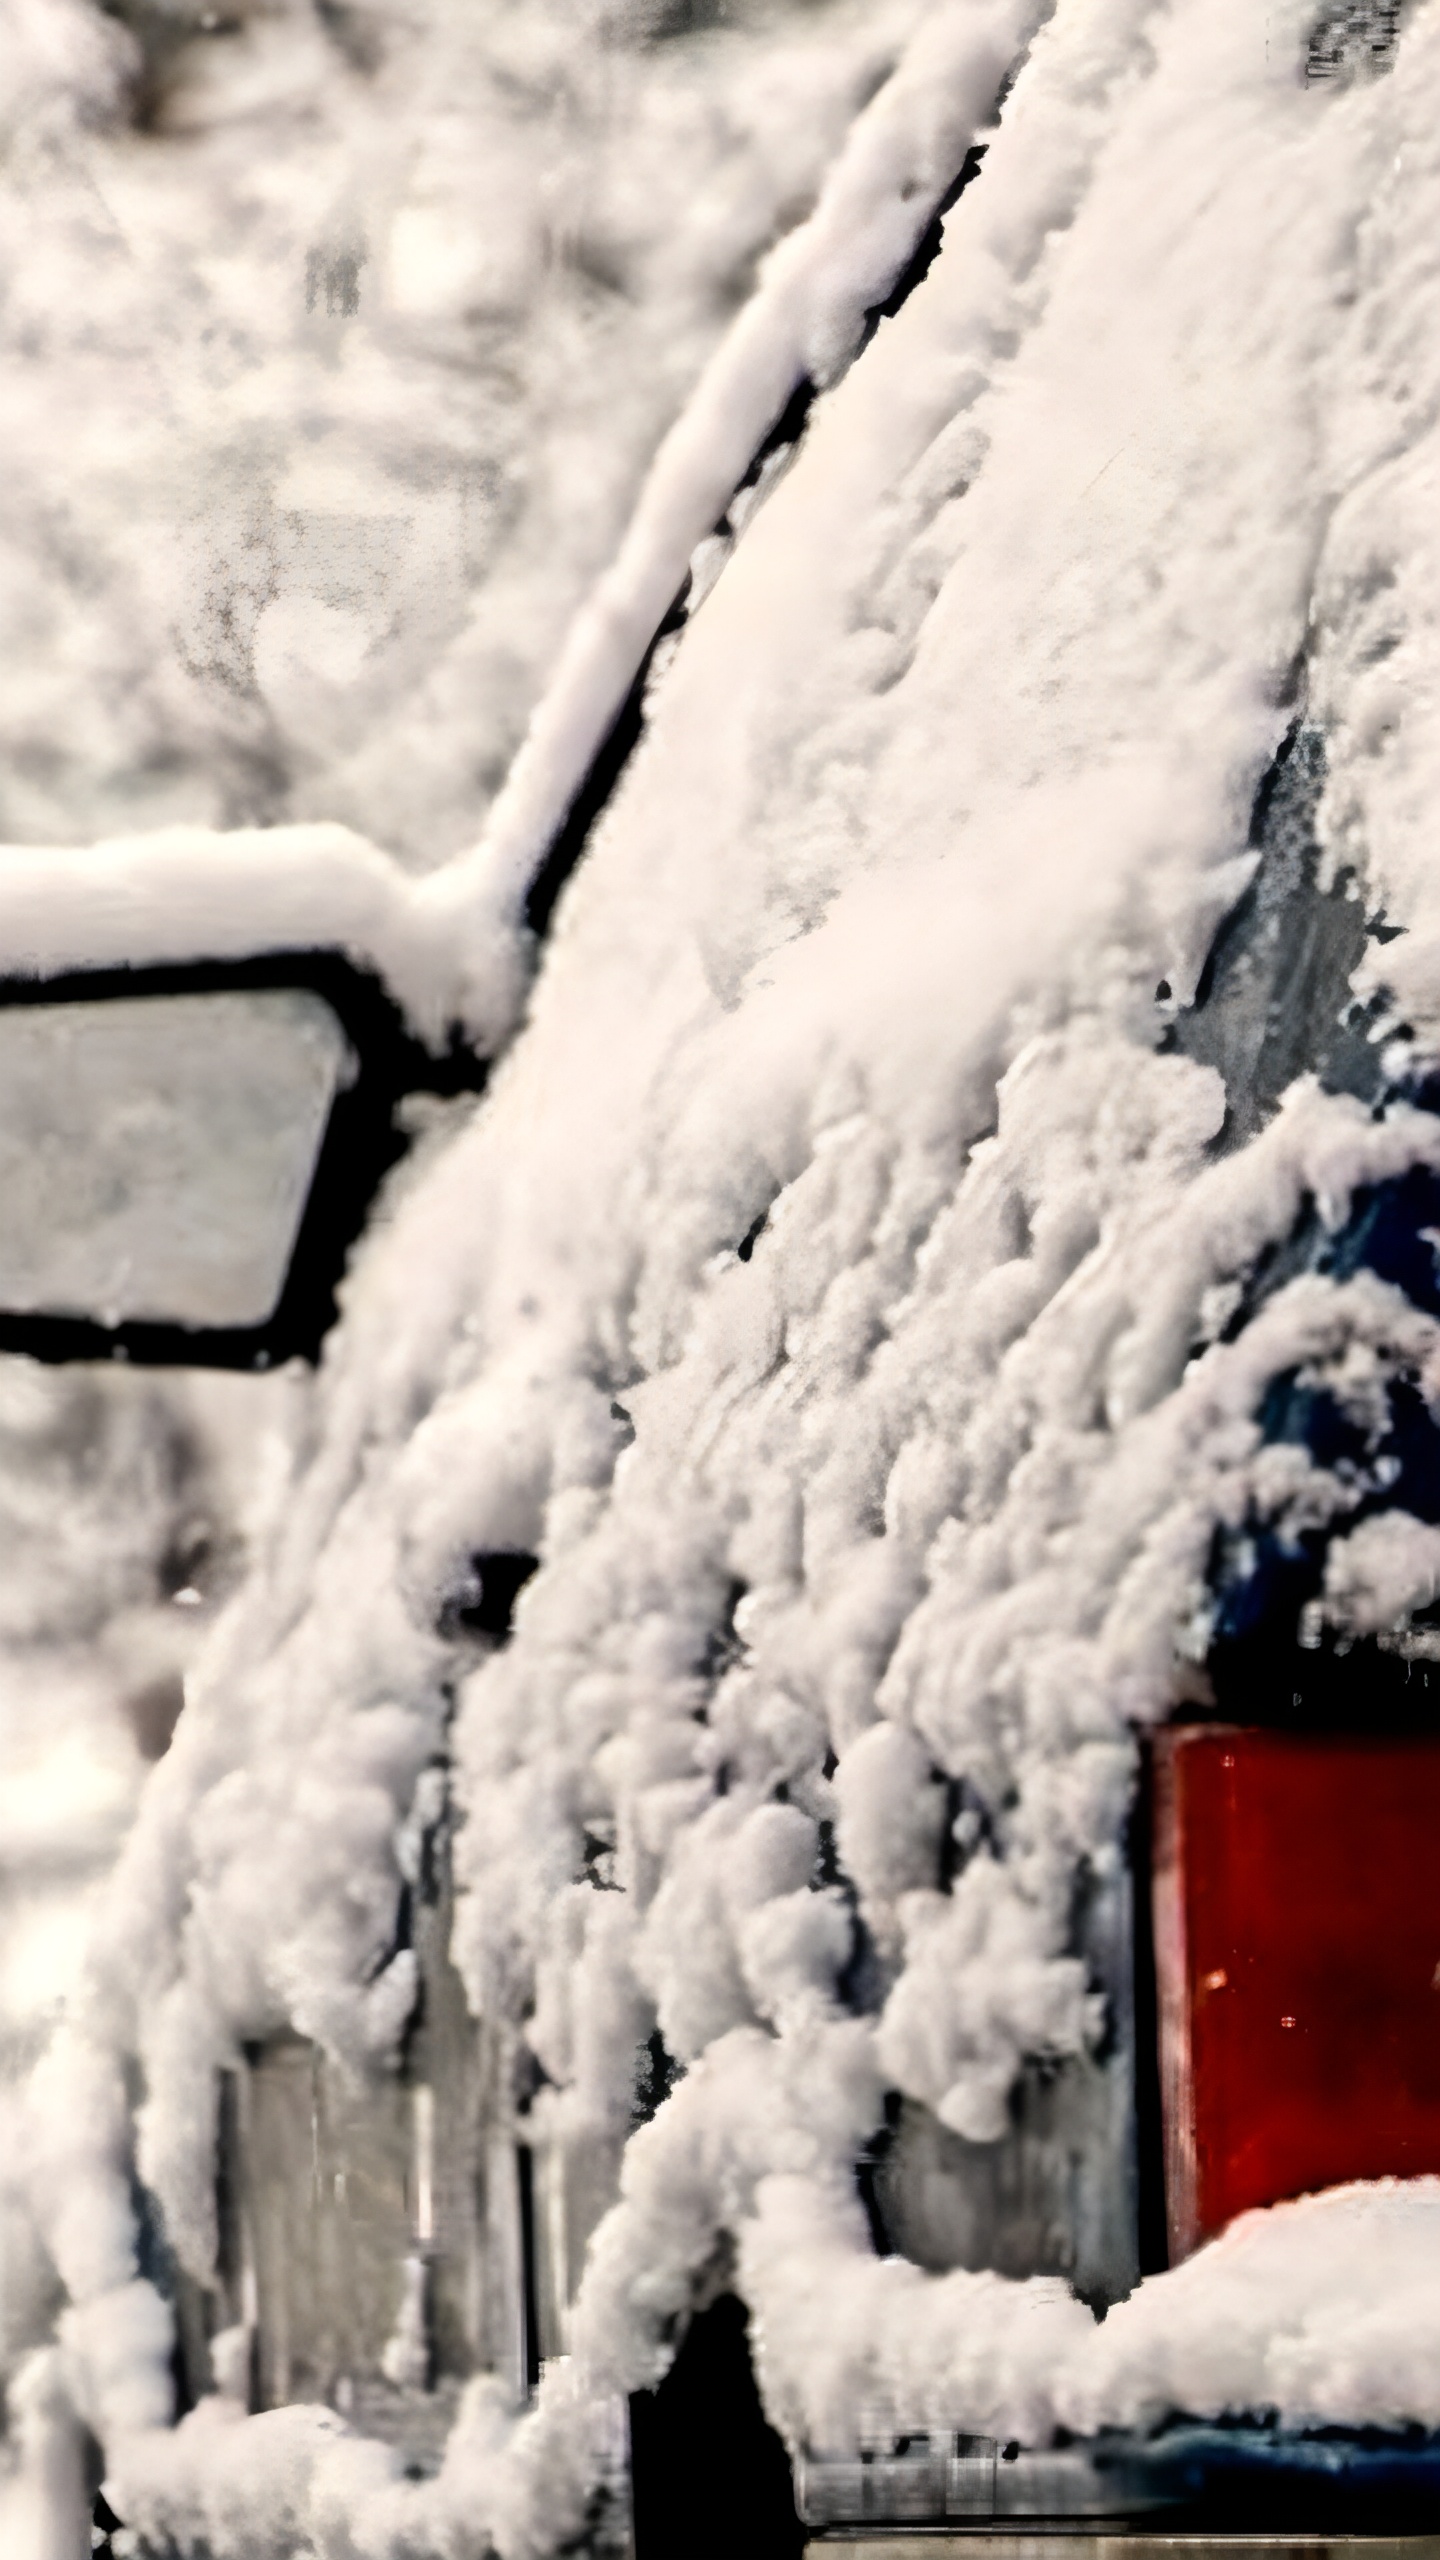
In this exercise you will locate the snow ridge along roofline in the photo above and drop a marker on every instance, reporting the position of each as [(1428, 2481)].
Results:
[(776, 447), (814, 308), (187, 895)]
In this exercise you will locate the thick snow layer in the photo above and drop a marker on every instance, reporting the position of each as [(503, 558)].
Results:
[(831, 1290), (1325, 2309), (193, 893)]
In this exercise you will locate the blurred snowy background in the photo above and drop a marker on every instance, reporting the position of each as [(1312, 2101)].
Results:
[(336, 336)]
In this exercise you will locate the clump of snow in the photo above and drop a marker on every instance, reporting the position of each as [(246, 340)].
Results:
[(1325, 2309), (890, 1817), (1382, 1573), (983, 1984), (826, 1292)]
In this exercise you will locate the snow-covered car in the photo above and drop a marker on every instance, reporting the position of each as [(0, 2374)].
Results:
[(792, 1891)]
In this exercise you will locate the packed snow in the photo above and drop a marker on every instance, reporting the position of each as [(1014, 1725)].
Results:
[(832, 1290)]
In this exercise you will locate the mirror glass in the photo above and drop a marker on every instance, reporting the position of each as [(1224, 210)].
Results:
[(156, 1151)]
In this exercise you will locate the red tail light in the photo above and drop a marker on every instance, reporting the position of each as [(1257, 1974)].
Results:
[(1297, 1947)]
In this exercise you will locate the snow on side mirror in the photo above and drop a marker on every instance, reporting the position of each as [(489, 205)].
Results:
[(187, 1153)]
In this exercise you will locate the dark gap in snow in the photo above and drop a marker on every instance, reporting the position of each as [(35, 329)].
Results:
[(161, 32), (529, 2078), (484, 1604), (626, 730), (752, 1236), (1265, 1677), (1389, 1231), (1152, 2239), (788, 429), (1351, 38), (230, 2251), (1016, 1232), (828, 1869), (861, 1983), (530, 2288), (710, 2477), (402, 1933), (1274, 998), (927, 248), (104, 2523), (955, 1848), (403, 1942), (186, 2398), (601, 782), (723, 1647), (868, 2173), (597, 1863), (188, 1558), (1266, 1573), (662, 21), (655, 2078)]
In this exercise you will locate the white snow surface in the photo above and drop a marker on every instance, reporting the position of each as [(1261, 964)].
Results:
[(951, 768), (183, 893)]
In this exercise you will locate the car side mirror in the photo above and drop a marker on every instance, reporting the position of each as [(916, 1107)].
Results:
[(188, 1152)]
